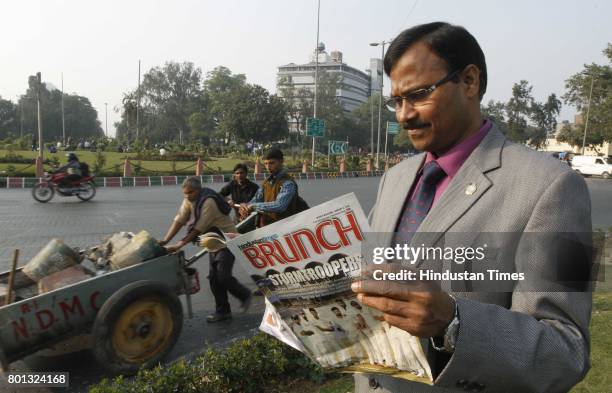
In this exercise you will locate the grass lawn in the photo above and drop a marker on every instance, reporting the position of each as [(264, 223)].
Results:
[(150, 168), (114, 158), (342, 384), (599, 378)]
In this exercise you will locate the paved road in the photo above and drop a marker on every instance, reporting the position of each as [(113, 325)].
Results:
[(28, 225)]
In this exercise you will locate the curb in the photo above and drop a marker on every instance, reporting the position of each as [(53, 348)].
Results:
[(150, 181)]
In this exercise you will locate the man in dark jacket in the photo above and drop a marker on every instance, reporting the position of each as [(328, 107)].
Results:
[(72, 170), (240, 189)]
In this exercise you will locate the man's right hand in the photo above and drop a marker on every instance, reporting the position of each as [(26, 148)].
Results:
[(244, 210), (162, 242)]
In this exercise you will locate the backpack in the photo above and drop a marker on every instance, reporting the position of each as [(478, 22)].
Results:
[(301, 204), (84, 168)]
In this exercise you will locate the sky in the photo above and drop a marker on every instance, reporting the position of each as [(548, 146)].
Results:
[(96, 45)]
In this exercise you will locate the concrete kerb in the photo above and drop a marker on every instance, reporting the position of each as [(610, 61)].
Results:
[(153, 181)]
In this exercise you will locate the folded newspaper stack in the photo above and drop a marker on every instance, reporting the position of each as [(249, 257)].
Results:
[(305, 265)]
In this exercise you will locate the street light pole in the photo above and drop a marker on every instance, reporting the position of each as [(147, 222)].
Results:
[(41, 145), (138, 103), (586, 122), (316, 82), (371, 125), (40, 132), (382, 58), (106, 119), (386, 138), (20, 118), (63, 121)]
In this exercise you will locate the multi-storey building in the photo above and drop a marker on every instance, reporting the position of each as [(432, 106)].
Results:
[(354, 87)]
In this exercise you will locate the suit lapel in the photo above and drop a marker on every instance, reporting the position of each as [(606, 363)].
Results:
[(396, 191), (464, 190), (462, 193)]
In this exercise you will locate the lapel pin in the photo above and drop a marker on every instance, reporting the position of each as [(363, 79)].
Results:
[(470, 189)]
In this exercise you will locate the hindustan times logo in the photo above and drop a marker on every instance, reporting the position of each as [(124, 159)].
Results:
[(412, 255)]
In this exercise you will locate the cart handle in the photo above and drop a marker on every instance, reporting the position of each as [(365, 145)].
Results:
[(250, 218), (195, 257), (204, 251)]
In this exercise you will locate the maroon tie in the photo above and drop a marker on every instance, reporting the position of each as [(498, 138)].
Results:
[(418, 206)]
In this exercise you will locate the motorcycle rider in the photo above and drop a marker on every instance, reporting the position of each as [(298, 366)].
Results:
[(72, 170)]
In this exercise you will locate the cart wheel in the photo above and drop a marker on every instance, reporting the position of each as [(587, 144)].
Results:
[(137, 326)]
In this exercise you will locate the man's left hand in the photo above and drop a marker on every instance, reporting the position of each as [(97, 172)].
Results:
[(418, 307)]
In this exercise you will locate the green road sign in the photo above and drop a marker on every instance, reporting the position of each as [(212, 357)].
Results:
[(315, 127), (337, 147), (393, 128)]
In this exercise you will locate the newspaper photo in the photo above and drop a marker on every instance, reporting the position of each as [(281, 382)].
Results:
[(305, 265)]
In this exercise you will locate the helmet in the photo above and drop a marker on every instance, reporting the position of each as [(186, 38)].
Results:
[(72, 157)]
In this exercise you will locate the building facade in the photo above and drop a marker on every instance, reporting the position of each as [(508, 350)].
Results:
[(553, 145), (354, 87)]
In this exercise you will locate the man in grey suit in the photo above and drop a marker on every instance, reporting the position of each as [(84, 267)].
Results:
[(471, 179)]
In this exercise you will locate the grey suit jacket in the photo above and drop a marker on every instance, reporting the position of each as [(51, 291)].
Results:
[(518, 341)]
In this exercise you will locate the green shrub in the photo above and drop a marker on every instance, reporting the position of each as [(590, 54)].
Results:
[(255, 365), (138, 168), (100, 162)]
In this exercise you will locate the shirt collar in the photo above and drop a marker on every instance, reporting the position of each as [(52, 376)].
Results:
[(453, 159), (272, 177)]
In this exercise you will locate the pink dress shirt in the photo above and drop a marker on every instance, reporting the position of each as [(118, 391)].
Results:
[(452, 160)]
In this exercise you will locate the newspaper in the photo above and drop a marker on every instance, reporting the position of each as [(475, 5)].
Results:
[(305, 265)]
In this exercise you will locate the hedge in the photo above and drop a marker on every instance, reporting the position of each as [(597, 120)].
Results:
[(254, 365)]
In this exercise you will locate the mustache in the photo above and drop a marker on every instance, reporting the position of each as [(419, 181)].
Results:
[(411, 125)]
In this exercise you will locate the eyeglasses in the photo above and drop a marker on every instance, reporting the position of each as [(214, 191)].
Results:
[(418, 97)]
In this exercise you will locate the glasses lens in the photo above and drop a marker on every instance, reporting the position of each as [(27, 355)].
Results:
[(418, 96), (393, 103)]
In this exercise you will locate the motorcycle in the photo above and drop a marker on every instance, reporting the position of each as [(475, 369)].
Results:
[(84, 188)]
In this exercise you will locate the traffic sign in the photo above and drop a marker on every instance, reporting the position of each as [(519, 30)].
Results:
[(315, 127), (393, 128), (337, 147)]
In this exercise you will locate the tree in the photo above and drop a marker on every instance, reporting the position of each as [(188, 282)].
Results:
[(522, 119), (299, 105), (364, 118), (223, 90), (330, 109), (168, 96), (578, 88), (545, 118), (496, 112), (402, 141), (253, 113), (518, 110), (81, 119), (126, 128), (9, 118), (570, 135), (201, 127)]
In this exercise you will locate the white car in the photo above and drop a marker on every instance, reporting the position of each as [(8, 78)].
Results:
[(592, 165)]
